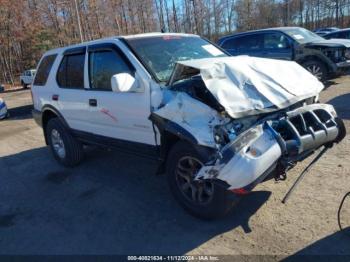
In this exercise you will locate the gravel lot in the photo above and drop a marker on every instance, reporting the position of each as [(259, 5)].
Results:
[(113, 203)]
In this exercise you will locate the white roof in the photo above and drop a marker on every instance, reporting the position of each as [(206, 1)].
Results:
[(61, 49), (156, 34)]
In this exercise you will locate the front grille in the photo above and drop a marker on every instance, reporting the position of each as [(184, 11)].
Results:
[(309, 127)]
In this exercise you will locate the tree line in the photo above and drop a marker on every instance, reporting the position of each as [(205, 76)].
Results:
[(30, 27)]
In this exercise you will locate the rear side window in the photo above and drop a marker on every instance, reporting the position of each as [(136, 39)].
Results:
[(70, 74), (103, 65), (247, 42), (344, 35), (44, 70)]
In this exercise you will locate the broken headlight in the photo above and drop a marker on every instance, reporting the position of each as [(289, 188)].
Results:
[(224, 134), (221, 135)]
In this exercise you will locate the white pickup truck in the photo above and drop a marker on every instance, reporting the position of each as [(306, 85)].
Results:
[(27, 78), (218, 125)]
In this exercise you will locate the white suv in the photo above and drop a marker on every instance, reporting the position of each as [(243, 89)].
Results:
[(217, 124)]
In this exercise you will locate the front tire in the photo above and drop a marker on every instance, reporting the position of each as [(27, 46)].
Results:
[(317, 68), (202, 199), (66, 149)]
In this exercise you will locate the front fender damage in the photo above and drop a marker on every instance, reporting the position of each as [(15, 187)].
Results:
[(192, 116)]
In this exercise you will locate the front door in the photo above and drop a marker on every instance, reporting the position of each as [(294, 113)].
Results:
[(119, 115), (277, 46)]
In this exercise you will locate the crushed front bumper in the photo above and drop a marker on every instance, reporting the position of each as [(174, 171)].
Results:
[(255, 153)]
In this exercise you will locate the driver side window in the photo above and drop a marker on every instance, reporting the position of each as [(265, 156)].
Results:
[(103, 64), (275, 41)]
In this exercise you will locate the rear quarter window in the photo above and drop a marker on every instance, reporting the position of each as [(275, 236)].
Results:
[(44, 70), (246, 42)]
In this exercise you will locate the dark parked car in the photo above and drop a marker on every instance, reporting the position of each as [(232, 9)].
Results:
[(343, 34), (324, 31), (323, 58)]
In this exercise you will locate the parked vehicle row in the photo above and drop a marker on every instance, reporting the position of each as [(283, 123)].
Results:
[(326, 30), (323, 58), (342, 34), (217, 125)]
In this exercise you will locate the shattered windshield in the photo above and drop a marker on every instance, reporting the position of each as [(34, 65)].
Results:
[(161, 53), (302, 36)]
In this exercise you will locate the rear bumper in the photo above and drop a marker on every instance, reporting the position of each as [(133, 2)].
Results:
[(251, 157), (37, 115)]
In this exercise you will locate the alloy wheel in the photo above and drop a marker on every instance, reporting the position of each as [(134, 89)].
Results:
[(58, 144), (316, 71), (198, 192)]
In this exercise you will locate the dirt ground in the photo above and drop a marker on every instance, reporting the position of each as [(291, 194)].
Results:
[(113, 203)]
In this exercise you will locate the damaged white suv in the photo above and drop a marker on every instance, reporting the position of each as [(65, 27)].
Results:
[(217, 124)]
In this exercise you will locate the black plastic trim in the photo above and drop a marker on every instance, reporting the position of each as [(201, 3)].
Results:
[(56, 112), (75, 50), (38, 117), (136, 148), (341, 130), (167, 126)]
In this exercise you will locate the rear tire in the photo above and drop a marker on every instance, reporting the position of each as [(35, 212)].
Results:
[(215, 201), (67, 150), (317, 68)]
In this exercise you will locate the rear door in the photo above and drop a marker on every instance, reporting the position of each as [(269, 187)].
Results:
[(70, 94)]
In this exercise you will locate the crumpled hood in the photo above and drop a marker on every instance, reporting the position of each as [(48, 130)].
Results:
[(246, 85), (334, 42)]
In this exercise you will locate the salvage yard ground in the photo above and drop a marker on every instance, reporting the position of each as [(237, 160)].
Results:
[(113, 203)]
